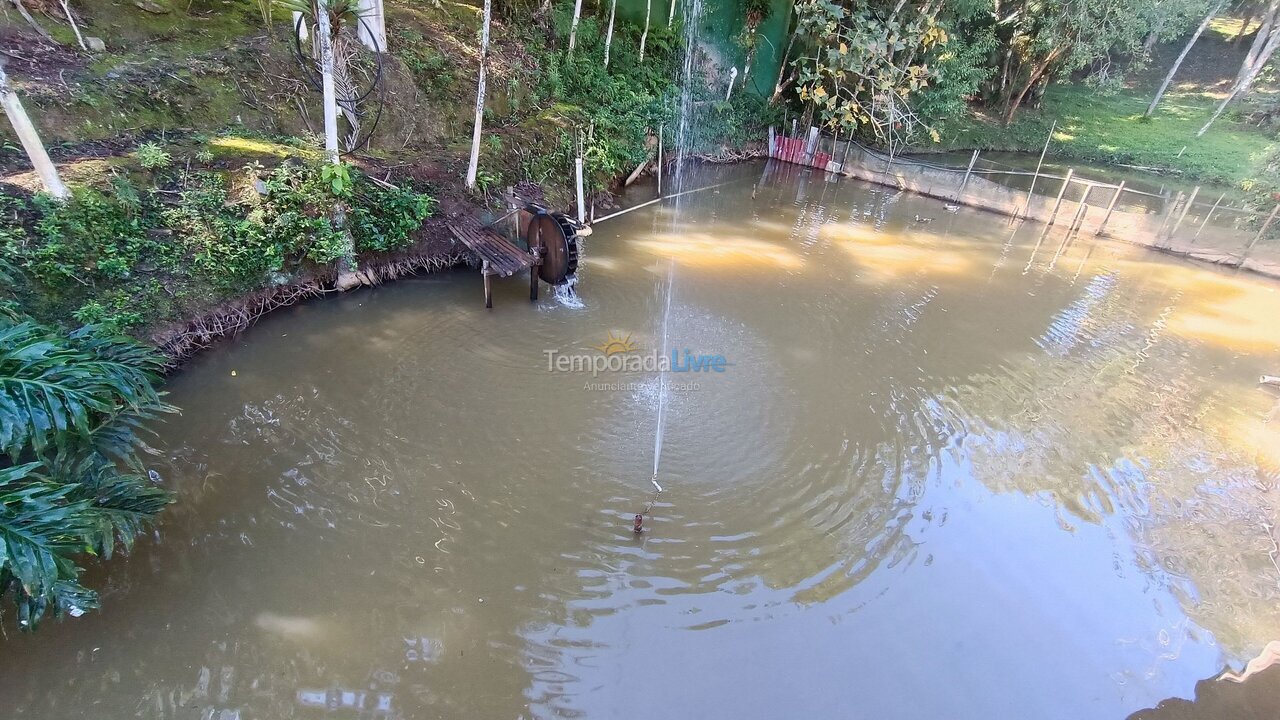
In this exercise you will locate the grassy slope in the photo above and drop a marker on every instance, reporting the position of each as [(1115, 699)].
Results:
[(1110, 128)]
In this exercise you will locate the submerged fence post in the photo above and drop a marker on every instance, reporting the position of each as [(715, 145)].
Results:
[(1263, 231), (967, 172), (773, 138), (1206, 217), (1177, 202), (1185, 209), (1063, 191), (1111, 206), (1078, 220), (1034, 178)]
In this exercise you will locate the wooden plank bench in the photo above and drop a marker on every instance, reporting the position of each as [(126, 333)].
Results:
[(498, 256)]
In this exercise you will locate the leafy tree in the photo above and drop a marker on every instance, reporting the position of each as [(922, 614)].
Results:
[(1045, 39), (863, 64), (71, 479)]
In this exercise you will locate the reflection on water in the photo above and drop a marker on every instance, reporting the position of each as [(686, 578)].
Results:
[(955, 468)]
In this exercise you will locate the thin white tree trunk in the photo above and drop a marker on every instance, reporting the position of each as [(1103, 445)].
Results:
[(1259, 40), (1242, 85), (474, 166), (608, 36), (30, 140), (573, 26), (644, 36), (326, 81), (66, 9), (372, 25), (671, 14), (1183, 56)]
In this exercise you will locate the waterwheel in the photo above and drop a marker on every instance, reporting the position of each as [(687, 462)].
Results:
[(558, 239)]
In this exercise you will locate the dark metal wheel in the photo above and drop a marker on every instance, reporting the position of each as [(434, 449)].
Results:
[(559, 242)]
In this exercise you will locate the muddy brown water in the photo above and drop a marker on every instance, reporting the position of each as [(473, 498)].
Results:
[(951, 469)]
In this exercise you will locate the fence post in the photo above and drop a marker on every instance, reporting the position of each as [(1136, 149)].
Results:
[(1185, 209), (967, 172), (1206, 217), (1265, 226), (1036, 177), (1078, 220), (811, 147), (1063, 191), (1177, 202), (662, 131), (772, 139), (1110, 208)]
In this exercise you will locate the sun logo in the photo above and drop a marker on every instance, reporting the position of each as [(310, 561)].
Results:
[(614, 345)]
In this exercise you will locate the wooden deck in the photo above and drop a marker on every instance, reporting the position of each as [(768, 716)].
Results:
[(498, 256)]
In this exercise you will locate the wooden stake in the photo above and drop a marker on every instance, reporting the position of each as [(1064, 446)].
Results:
[(1206, 217), (1036, 177), (967, 172), (1265, 226), (582, 207), (1078, 220), (1111, 206), (1185, 209), (488, 285), (1063, 191), (661, 130)]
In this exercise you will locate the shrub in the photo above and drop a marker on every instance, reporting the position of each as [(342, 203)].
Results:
[(152, 157)]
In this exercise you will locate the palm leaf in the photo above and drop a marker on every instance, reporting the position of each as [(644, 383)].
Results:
[(40, 528)]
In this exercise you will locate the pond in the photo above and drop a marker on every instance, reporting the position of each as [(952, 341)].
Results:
[(934, 465)]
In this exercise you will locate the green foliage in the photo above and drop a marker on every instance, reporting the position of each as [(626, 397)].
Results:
[(615, 112), (432, 70), (338, 178), (862, 67), (204, 157), (125, 258), (71, 479), (153, 157)]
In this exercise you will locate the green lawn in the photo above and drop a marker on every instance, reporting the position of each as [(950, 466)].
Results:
[(1110, 129)]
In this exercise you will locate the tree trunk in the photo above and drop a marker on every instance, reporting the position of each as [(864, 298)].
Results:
[(779, 86), (66, 9), (644, 37), (1183, 56), (671, 14), (22, 10), (573, 26), (1260, 40), (474, 166), (371, 25), (30, 140), (608, 36), (1244, 25), (1242, 86), (327, 87), (1154, 36), (1016, 101)]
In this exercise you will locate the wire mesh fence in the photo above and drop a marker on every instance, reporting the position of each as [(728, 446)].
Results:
[(1201, 222)]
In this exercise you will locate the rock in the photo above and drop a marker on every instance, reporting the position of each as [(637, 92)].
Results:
[(95, 44), (349, 281), (152, 7)]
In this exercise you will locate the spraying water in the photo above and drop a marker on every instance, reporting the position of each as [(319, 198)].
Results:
[(684, 127), (662, 377)]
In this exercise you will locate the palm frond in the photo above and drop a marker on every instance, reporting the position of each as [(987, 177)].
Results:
[(40, 528)]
